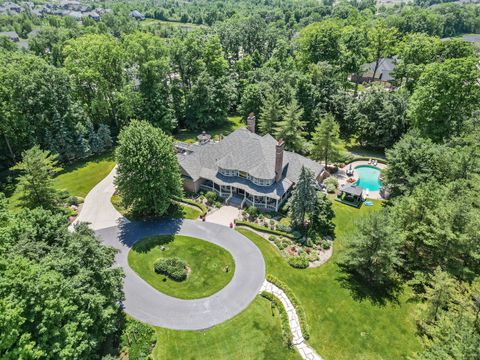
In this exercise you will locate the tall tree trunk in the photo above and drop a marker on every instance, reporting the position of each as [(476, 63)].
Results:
[(12, 154), (377, 63)]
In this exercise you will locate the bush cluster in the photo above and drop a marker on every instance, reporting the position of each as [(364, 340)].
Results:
[(263, 229), (298, 262), (173, 267)]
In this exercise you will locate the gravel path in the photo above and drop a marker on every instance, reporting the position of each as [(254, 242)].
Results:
[(145, 303)]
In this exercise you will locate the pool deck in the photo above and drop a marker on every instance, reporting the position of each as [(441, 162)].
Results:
[(341, 176)]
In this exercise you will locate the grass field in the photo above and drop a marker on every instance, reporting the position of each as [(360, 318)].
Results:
[(207, 262), (77, 178), (344, 323), (253, 334)]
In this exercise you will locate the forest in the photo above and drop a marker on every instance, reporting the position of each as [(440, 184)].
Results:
[(190, 66)]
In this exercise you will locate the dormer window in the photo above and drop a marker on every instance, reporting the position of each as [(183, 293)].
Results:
[(228, 172)]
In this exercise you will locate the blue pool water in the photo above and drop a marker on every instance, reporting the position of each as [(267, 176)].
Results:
[(368, 177)]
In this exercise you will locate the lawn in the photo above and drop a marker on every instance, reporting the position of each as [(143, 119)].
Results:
[(345, 325), (77, 178), (253, 334), (207, 262), (233, 123)]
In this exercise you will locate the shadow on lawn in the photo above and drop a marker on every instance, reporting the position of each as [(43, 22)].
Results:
[(362, 290)]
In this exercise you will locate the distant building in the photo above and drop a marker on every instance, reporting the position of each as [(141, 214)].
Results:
[(383, 73), (11, 35), (137, 15)]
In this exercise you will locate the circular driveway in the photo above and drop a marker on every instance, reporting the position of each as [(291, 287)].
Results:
[(147, 304)]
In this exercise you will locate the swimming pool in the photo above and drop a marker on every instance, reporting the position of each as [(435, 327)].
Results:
[(368, 177)]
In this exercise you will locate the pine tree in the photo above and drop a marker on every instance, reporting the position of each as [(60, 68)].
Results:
[(94, 141), (83, 145), (37, 167), (270, 112), (326, 143), (290, 129), (304, 198), (104, 135)]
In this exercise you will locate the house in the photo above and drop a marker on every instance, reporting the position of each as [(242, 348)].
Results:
[(137, 15), (384, 71), (244, 167), (11, 35)]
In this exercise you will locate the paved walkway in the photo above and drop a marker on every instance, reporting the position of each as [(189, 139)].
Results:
[(145, 303), (306, 352), (224, 215)]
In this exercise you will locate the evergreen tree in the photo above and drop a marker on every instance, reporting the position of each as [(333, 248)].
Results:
[(148, 175), (321, 217), (94, 141), (373, 252), (37, 167), (290, 129), (83, 145), (104, 136), (326, 143), (304, 199), (270, 112)]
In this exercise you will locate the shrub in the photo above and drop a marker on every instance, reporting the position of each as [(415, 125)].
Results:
[(252, 212), (298, 262), (281, 243), (263, 229), (272, 238), (174, 268), (326, 244), (331, 184), (285, 228), (138, 340), (211, 197), (330, 188)]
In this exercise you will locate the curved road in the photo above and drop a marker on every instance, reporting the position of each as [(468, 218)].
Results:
[(145, 303)]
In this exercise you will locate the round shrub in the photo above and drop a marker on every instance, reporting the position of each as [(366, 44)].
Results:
[(211, 197), (174, 268), (298, 262)]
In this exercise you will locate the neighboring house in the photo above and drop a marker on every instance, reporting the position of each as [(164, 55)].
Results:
[(137, 15), (245, 168), (384, 71), (11, 35)]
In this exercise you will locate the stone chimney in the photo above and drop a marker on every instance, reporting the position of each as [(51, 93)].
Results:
[(251, 122), (279, 159)]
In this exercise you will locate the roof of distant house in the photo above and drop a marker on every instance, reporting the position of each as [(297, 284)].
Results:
[(12, 35), (384, 70), (251, 153)]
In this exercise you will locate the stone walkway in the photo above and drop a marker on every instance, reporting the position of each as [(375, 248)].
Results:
[(306, 352)]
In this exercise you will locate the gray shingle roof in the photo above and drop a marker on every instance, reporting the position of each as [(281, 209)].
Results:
[(245, 151)]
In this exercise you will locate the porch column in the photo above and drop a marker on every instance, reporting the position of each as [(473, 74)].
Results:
[(276, 204), (253, 196), (265, 202)]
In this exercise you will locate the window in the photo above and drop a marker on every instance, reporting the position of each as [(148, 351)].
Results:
[(243, 174)]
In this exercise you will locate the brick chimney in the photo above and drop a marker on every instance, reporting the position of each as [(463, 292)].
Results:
[(251, 122), (279, 159)]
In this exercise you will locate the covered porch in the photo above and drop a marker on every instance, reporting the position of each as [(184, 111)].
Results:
[(243, 198)]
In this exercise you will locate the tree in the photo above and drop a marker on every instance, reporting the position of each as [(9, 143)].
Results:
[(148, 175), (319, 42), (270, 112), (354, 51), (60, 295), (446, 96), (321, 217), (290, 128), (378, 116), (415, 160), (304, 199), (326, 143), (37, 167), (381, 43), (373, 252)]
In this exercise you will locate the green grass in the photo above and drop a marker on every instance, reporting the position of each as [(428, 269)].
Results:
[(253, 334), (233, 123), (207, 262), (344, 325), (77, 178)]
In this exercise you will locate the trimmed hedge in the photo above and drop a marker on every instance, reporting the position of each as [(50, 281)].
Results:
[(298, 306), (264, 229), (173, 267), (287, 336)]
